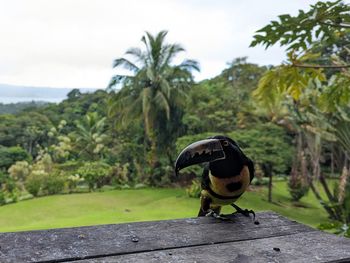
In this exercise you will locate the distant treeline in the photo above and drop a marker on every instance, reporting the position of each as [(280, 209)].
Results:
[(14, 108)]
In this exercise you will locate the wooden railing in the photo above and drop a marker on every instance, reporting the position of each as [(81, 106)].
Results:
[(275, 239)]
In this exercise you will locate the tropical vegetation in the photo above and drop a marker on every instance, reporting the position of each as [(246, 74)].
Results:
[(293, 120)]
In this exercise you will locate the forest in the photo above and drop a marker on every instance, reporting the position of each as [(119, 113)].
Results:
[(292, 119)]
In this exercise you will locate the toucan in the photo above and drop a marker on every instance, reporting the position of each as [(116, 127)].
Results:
[(226, 176)]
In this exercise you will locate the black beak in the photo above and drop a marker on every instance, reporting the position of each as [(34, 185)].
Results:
[(199, 152)]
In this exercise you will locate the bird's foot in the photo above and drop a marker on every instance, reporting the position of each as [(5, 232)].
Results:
[(245, 212), (212, 213)]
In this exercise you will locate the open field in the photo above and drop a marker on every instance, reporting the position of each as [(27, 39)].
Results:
[(118, 206)]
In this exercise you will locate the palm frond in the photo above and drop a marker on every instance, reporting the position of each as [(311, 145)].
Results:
[(117, 79), (123, 62), (189, 65), (163, 102)]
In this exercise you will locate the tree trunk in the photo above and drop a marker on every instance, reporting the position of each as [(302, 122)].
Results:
[(322, 202), (332, 199), (270, 188), (268, 171)]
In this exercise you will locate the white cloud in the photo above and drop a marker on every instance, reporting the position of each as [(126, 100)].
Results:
[(72, 43)]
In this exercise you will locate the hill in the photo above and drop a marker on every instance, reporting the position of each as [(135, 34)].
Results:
[(15, 93)]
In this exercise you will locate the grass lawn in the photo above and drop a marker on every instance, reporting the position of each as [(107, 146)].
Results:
[(117, 206)]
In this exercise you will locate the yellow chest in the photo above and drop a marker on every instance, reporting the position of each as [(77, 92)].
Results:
[(221, 186)]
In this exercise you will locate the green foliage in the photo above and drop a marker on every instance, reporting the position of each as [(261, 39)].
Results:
[(10, 155), (317, 39), (336, 227), (297, 189), (195, 189), (96, 174), (214, 105), (154, 92), (325, 21), (53, 183), (266, 144), (90, 136), (8, 188), (2, 198), (73, 181), (259, 181), (15, 108), (69, 167), (34, 182), (120, 174), (28, 129), (40, 181), (61, 146), (20, 170)]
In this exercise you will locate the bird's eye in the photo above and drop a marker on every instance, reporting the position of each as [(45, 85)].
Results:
[(225, 143)]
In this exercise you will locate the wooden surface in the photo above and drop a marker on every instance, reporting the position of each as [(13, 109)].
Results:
[(275, 239)]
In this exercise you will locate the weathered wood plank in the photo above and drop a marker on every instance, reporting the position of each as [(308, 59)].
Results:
[(299, 248), (96, 241)]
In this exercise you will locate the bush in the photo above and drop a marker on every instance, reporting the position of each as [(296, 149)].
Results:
[(259, 181), (96, 174), (53, 183), (2, 198), (73, 181), (8, 188), (120, 174), (19, 171), (34, 182), (71, 167), (298, 192), (10, 155), (195, 189), (297, 188)]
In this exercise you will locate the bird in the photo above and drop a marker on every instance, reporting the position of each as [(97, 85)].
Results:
[(226, 175)]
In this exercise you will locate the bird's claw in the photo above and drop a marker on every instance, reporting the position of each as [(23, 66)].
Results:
[(246, 213), (212, 213)]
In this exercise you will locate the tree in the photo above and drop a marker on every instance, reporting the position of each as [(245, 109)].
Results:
[(223, 103), (74, 94), (11, 155), (325, 22), (269, 147), (28, 129), (90, 136), (155, 90), (314, 84)]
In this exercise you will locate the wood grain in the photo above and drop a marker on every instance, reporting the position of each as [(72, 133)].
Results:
[(138, 239)]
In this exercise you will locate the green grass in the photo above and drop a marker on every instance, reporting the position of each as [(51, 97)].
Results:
[(119, 206)]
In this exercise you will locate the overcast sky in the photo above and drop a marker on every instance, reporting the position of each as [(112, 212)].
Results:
[(72, 43)]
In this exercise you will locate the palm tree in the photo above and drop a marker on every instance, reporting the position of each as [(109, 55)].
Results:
[(154, 89), (90, 135)]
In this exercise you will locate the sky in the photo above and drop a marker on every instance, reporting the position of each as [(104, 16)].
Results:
[(72, 43)]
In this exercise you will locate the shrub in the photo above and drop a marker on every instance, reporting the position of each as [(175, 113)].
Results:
[(73, 181), (297, 186), (10, 155), (120, 174), (53, 183), (297, 190), (195, 189), (2, 198), (20, 170), (34, 182), (71, 167), (8, 188), (96, 174), (259, 181)]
